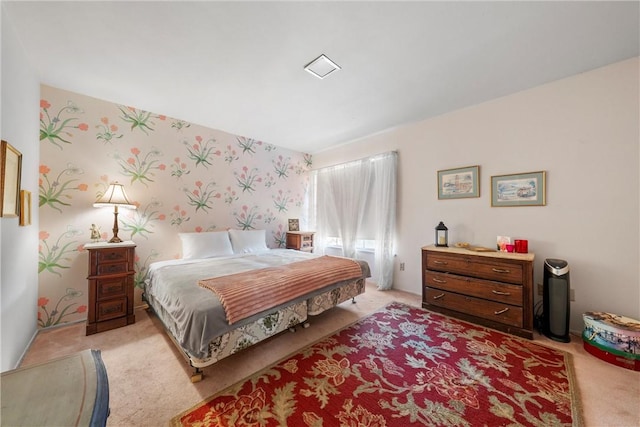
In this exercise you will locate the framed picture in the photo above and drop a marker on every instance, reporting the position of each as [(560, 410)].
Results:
[(522, 189), (294, 225), (25, 207), (459, 183), (10, 169)]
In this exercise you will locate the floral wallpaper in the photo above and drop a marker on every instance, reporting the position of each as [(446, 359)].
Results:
[(182, 177)]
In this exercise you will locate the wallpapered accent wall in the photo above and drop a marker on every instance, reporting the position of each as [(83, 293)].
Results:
[(181, 176)]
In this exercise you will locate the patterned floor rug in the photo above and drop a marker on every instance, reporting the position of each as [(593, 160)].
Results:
[(404, 366)]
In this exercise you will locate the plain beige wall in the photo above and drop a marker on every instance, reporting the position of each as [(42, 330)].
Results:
[(582, 130), (19, 245)]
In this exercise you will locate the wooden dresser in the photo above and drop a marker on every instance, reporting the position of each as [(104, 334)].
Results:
[(300, 240), (493, 289), (111, 271)]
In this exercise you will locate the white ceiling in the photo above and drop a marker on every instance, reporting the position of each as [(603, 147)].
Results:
[(238, 66)]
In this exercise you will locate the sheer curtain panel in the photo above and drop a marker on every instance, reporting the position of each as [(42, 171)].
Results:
[(357, 200)]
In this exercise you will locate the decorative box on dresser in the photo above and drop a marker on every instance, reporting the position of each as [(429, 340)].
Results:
[(300, 240), (493, 289), (111, 271)]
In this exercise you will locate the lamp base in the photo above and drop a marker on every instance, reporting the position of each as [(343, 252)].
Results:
[(115, 238)]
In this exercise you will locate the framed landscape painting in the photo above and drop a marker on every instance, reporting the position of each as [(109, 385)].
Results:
[(523, 189), (459, 183)]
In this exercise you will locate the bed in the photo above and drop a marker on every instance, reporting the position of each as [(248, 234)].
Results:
[(188, 294)]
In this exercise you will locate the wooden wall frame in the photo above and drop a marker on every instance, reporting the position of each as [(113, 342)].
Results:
[(459, 183), (520, 189), (25, 207), (10, 173)]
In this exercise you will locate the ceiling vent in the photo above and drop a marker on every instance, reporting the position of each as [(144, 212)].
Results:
[(321, 67)]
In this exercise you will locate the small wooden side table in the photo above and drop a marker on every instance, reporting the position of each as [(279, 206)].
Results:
[(300, 240)]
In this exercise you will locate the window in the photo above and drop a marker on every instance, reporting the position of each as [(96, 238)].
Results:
[(361, 244)]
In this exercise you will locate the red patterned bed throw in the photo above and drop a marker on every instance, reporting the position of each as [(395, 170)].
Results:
[(244, 294)]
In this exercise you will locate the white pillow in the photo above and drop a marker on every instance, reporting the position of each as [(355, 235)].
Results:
[(205, 245), (247, 241)]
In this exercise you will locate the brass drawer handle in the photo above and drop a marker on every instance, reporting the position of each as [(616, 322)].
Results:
[(501, 270), (435, 279), (501, 293), (504, 310), (438, 296), (440, 262)]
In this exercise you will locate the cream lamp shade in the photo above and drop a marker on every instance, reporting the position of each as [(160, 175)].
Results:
[(114, 196)]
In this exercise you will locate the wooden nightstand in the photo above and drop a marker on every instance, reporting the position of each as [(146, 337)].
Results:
[(300, 240), (111, 272)]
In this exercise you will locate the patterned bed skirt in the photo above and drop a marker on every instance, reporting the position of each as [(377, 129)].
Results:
[(271, 324), (252, 333), (327, 300)]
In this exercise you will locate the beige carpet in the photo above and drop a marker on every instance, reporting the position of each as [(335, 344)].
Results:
[(150, 381)]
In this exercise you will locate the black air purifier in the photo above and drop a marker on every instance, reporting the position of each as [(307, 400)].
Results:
[(556, 309)]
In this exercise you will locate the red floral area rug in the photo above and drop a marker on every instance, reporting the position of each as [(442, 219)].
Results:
[(404, 366)]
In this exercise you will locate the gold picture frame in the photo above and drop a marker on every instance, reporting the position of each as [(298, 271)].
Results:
[(10, 172), (459, 183), (25, 207), (519, 189)]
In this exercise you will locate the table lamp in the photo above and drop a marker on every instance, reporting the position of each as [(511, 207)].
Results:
[(114, 196)]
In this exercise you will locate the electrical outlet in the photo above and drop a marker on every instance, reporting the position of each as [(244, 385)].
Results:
[(402, 266), (572, 295), (540, 289)]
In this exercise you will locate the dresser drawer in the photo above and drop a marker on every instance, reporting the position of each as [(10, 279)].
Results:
[(494, 291), (111, 309), (483, 268), (110, 288), (490, 310)]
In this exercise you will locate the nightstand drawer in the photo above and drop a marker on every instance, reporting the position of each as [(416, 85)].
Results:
[(111, 309), (116, 268), (113, 255), (111, 288)]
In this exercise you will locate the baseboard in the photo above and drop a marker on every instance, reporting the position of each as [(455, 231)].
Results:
[(26, 349), (37, 332)]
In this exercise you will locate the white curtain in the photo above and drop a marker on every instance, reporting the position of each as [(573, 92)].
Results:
[(357, 200), (385, 172)]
